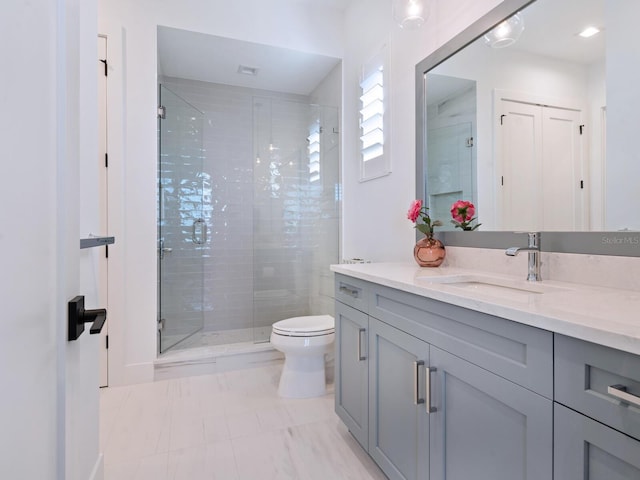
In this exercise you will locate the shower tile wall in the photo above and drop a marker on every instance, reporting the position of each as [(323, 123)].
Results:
[(270, 242)]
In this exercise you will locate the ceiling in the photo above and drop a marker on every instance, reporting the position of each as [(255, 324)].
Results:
[(209, 58), (551, 29)]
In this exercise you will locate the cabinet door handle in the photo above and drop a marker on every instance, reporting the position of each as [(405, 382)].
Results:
[(620, 392), (352, 292), (416, 384), (427, 394), (360, 356)]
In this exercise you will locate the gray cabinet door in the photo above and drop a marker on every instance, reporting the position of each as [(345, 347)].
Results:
[(351, 377), (485, 426), (587, 450), (398, 422)]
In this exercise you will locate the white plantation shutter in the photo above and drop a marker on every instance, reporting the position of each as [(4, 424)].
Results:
[(313, 151), (374, 155)]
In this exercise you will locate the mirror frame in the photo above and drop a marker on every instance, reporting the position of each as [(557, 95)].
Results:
[(622, 243)]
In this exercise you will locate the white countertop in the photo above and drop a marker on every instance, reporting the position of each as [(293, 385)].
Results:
[(605, 316)]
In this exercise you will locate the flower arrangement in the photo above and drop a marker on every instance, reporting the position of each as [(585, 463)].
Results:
[(463, 214), (417, 210)]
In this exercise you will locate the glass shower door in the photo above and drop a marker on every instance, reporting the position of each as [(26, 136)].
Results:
[(182, 230)]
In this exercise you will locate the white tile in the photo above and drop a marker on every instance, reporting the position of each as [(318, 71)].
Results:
[(215, 428), (146, 468), (265, 456), (243, 424), (227, 426)]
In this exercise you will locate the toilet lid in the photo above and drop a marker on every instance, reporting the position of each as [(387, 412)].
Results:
[(308, 326)]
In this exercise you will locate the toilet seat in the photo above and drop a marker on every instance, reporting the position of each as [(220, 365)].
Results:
[(307, 326)]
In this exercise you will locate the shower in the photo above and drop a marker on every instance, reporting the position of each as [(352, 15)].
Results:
[(248, 212)]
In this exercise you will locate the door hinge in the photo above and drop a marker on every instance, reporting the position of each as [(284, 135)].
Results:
[(469, 142), (161, 322), (106, 342), (106, 66), (106, 160), (581, 127), (162, 112), (106, 251), (502, 180), (581, 183), (501, 119)]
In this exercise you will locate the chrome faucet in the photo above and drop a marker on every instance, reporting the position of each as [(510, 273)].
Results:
[(533, 248)]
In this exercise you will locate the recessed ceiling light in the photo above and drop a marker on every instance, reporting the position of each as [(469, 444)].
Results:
[(245, 70), (589, 32)]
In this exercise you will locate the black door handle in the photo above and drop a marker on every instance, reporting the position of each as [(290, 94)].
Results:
[(78, 316)]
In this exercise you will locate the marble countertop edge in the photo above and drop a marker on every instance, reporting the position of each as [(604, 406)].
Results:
[(604, 316)]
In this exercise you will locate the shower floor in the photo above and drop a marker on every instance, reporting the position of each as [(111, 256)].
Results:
[(224, 337), (213, 352)]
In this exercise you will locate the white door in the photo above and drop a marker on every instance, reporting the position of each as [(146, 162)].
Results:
[(49, 402), (521, 159), (562, 184), (540, 157)]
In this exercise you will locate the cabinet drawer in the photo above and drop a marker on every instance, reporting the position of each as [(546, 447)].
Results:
[(590, 378), (517, 352), (586, 449), (352, 292)]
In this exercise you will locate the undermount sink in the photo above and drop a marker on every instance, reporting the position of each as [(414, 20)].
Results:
[(493, 285)]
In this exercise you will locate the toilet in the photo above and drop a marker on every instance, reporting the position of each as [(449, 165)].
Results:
[(304, 341)]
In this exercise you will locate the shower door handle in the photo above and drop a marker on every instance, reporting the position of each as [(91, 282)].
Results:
[(162, 250), (200, 239)]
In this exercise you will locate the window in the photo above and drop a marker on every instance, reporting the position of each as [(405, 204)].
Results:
[(374, 153)]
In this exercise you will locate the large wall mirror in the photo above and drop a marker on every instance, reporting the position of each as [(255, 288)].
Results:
[(540, 133)]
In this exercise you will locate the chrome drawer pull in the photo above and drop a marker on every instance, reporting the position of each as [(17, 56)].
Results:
[(352, 292), (416, 384), (360, 356), (620, 392), (429, 371)]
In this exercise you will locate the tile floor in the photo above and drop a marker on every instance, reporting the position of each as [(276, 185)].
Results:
[(230, 426)]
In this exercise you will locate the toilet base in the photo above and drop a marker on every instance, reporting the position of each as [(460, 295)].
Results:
[(303, 376)]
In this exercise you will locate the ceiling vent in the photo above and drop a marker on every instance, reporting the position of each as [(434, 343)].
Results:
[(245, 70)]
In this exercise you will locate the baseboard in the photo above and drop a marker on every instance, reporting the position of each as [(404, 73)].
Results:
[(135, 373), (98, 469)]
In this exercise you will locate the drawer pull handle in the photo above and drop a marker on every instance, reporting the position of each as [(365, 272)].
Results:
[(352, 292), (620, 392), (429, 407), (416, 384), (360, 356)]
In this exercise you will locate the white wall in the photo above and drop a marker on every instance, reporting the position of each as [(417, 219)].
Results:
[(623, 99), (374, 223)]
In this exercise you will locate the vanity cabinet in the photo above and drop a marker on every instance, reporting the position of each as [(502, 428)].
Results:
[(352, 371), (597, 412), (483, 426), (452, 393), (398, 421)]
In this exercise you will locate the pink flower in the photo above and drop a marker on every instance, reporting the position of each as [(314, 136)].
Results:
[(414, 210), (463, 211)]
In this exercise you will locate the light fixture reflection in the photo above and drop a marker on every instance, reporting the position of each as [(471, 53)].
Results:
[(506, 33), (410, 13), (589, 32)]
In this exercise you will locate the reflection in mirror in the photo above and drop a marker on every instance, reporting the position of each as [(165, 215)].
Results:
[(544, 153), (451, 116)]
